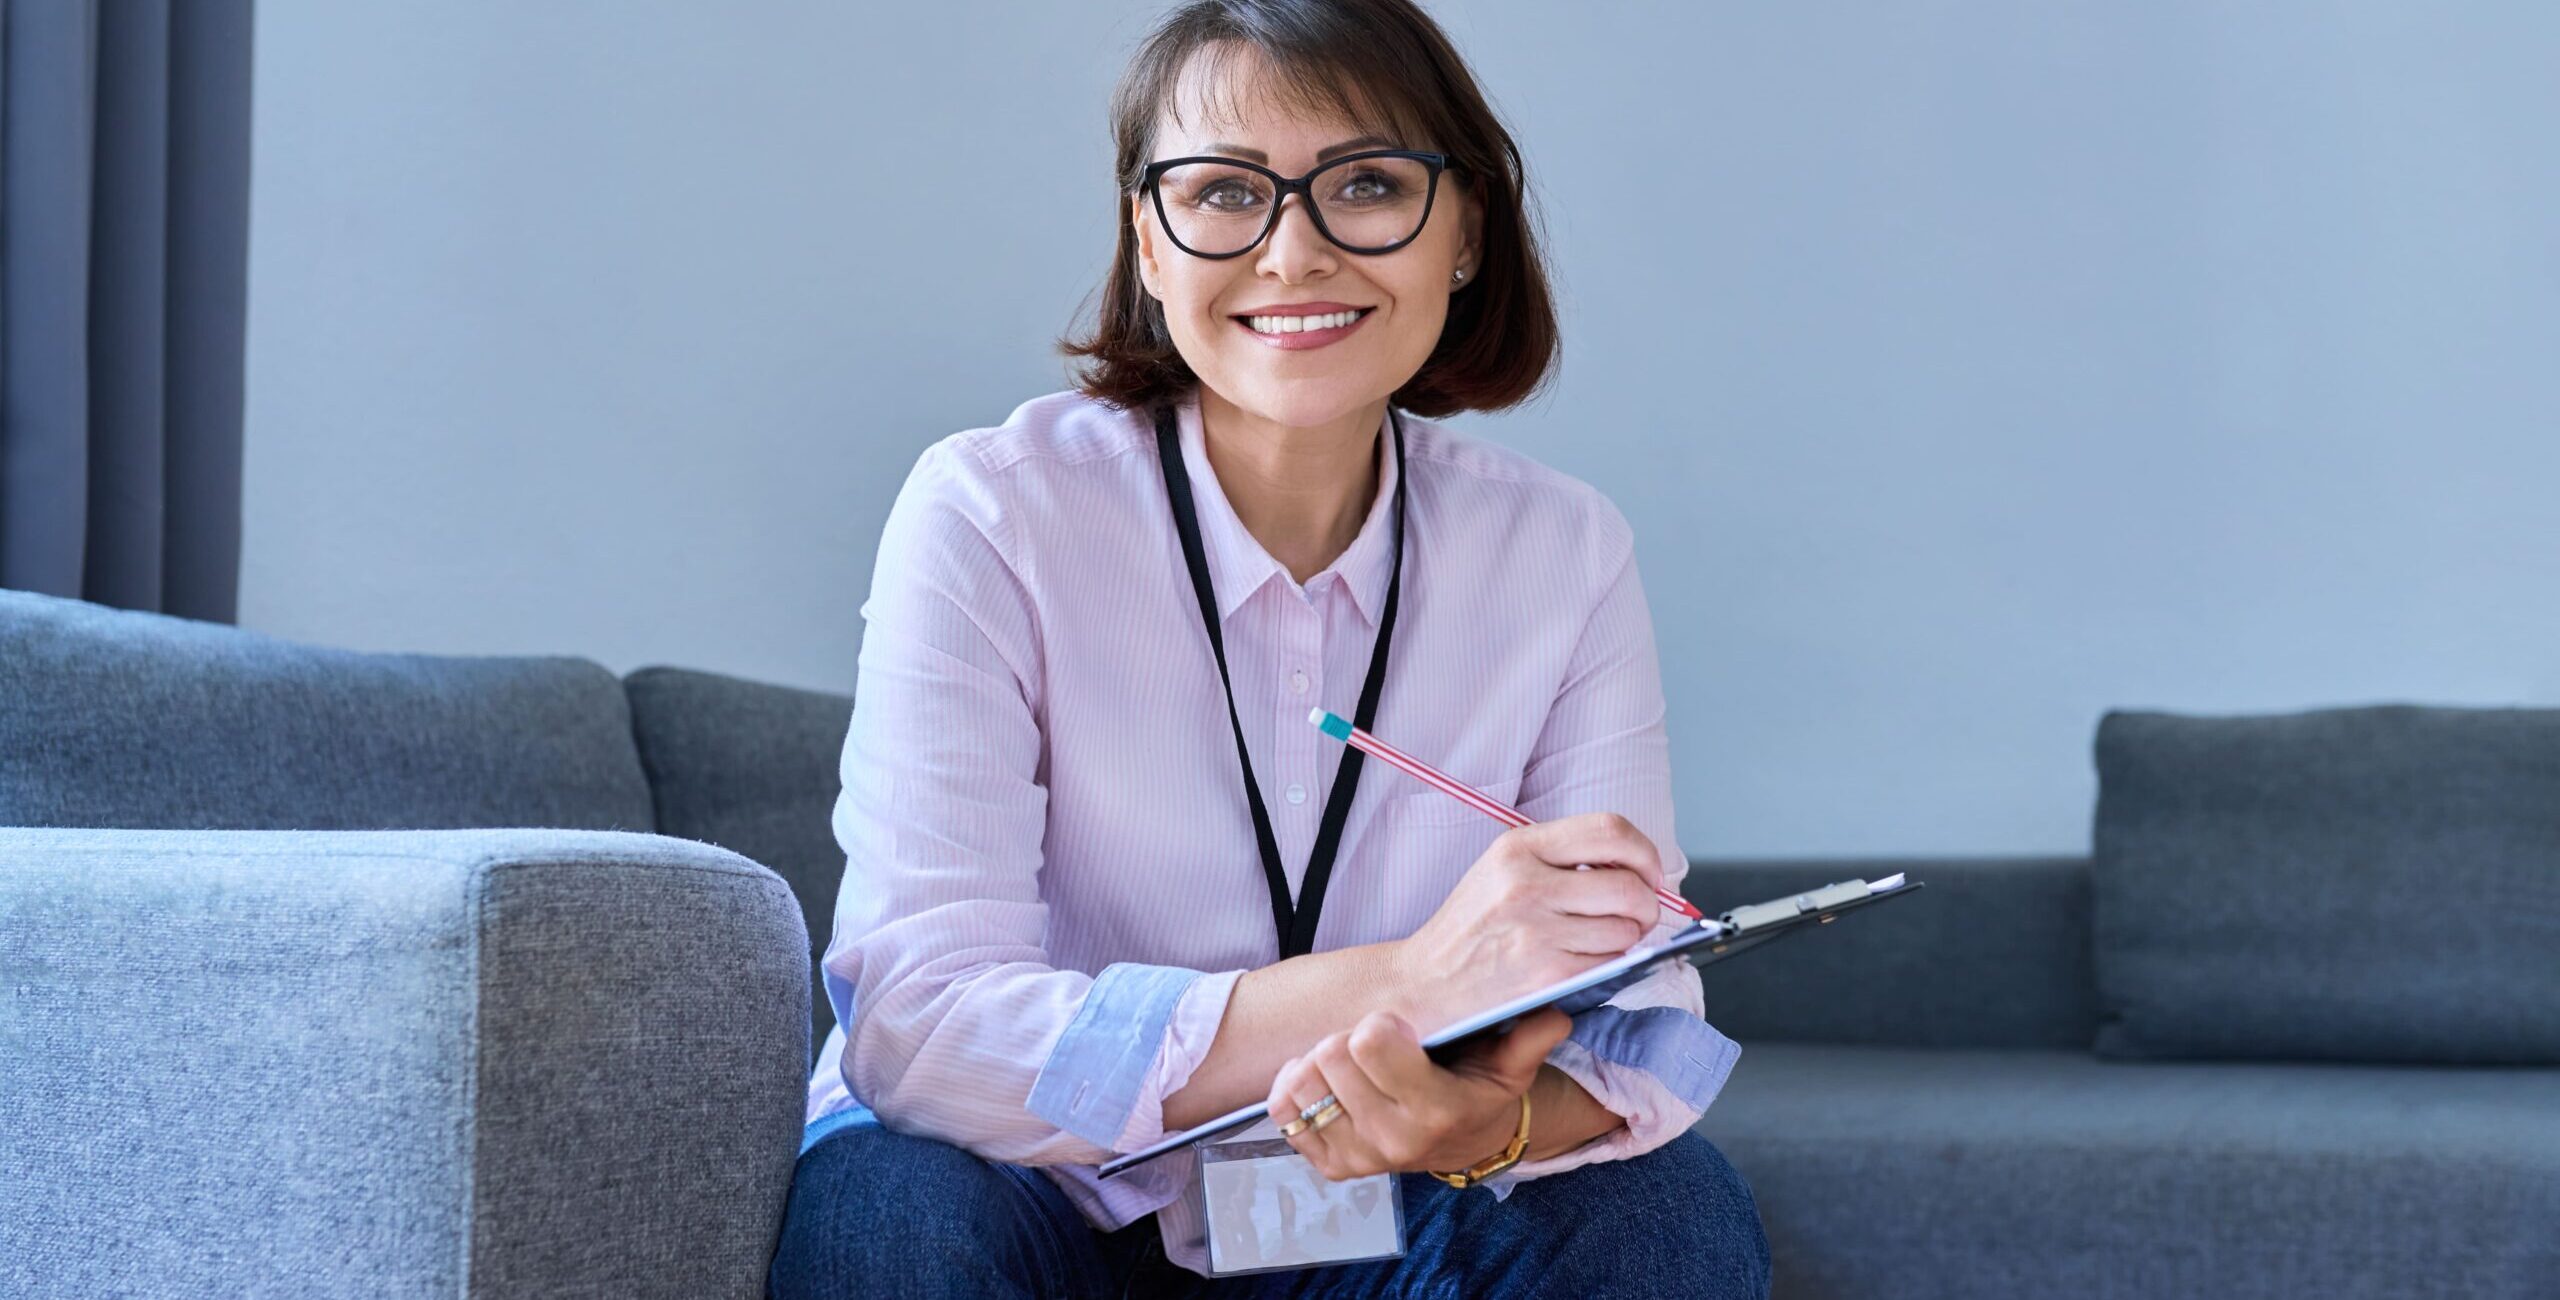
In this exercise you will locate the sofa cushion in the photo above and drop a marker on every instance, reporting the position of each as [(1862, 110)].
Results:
[(1919, 1173), (116, 718), (2374, 883), (751, 767)]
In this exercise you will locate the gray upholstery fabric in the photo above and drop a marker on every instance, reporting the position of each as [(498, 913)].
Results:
[(431, 1063), (2375, 883), (1993, 953), (751, 767), (1919, 1173), (118, 718)]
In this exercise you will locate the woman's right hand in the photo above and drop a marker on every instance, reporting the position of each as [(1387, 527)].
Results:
[(1522, 918)]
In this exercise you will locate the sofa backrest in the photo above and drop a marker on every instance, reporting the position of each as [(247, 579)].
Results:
[(751, 767), (116, 718), (1992, 952), (2374, 882)]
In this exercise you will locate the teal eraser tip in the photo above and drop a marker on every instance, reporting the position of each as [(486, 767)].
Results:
[(1332, 724)]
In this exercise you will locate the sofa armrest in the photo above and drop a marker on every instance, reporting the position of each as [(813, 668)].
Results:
[(1994, 953), (427, 1062)]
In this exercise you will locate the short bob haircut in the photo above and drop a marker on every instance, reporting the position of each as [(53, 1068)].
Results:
[(1386, 67)]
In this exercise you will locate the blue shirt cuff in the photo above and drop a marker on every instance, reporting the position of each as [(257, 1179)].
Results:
[(1090, 1082), (816, 1130), (1686, 1053)]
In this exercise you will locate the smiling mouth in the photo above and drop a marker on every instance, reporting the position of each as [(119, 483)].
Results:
[(1284, 326)]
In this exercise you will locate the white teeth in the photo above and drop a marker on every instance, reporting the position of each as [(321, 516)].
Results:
[(1299, 324)]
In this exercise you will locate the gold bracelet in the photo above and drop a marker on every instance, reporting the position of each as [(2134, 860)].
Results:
[(1510, 1156)]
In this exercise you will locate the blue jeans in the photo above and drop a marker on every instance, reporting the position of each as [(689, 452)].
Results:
[(874, 1212)]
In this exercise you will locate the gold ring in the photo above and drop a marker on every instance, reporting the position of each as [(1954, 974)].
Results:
[(1332, 1111), (1293, 1128)]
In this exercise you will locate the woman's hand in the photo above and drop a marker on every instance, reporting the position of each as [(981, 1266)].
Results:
[(1522, 918), (1400, 1110)]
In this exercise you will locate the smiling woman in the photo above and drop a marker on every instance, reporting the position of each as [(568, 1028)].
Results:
[(1359, 78), (1090, 837)]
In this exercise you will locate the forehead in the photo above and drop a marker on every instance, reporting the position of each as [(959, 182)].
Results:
[(1232, 94)]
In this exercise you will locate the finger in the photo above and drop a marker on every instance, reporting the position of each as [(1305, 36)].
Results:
[(1603, 891), (1294, 1089), (1310, 1142), (1598, 936), (1360, 1092), (1599, 839), (1428, 1099), (1518, 1055), (1339, 1150), (1388, 1050)]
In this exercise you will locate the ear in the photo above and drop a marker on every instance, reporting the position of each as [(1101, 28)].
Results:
[(1148, 272), (1471, 231)]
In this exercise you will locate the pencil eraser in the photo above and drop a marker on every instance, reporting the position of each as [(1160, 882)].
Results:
[(1332, 723)]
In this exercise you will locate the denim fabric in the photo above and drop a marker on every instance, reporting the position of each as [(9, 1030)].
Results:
[(876, 1212)]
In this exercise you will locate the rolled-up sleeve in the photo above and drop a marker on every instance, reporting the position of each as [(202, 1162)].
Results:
[(956, 1024), (1142, 1031), (1648, 1054)]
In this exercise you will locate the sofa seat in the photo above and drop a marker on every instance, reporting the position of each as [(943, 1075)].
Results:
[(1917, 1172)]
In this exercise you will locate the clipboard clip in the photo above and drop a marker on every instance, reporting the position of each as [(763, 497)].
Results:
[(1745, 919)]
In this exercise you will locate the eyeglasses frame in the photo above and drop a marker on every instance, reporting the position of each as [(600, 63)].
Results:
[(1303, 187)]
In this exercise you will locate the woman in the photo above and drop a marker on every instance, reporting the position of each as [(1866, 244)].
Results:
[(1103, 880)]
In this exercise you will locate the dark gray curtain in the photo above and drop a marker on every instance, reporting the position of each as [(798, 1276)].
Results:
[(124, 224)]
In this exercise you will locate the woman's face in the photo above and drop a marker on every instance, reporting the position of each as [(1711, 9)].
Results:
[(1405, 293)]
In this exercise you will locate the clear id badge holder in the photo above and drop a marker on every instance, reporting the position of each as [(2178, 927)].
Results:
[(1265, 1208)]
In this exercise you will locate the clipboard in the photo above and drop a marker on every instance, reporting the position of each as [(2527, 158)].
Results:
[(1704, 943)]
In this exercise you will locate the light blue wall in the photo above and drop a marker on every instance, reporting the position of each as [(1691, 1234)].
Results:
[(1967, 370)]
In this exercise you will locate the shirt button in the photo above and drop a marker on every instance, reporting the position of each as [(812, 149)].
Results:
[(1298, 681), (1296, 793)]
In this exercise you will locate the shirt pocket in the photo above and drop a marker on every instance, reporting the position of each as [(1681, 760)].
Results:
[(1427, 806), (1414, 849)]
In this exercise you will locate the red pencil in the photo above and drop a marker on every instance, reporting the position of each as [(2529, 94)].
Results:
[(1340, 728)]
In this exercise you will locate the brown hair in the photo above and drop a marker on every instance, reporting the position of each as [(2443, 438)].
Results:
[(1500, 343)]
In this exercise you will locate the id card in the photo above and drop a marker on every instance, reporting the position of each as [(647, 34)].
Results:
[(1266, 1208)]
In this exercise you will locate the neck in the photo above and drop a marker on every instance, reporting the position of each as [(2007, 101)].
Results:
[(1302, 490)]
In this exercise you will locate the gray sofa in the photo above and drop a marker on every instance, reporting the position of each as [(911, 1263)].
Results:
[(326, 972)]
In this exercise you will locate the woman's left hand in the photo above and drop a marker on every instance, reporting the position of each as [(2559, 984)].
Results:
[(1403, 1111)]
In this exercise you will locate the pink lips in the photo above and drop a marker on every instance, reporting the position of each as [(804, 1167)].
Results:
[(1307, 338)]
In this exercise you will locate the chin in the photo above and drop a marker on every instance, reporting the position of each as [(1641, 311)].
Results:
[(1306, 402)]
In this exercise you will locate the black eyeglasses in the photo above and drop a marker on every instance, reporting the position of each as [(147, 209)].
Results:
[(1366, 203)]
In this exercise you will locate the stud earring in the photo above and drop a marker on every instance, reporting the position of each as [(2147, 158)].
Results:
[(1457, 276)]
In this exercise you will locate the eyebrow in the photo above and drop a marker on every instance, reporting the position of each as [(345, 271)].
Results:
[(1347, 146)]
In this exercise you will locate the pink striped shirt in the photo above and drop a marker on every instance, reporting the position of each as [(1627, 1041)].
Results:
[(1050, 879)]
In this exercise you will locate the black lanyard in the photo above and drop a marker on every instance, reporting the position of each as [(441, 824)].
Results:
[(1296, 924)]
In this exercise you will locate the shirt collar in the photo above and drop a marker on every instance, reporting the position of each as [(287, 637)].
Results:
[(1238, 564)]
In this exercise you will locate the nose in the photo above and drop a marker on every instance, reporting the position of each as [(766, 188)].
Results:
[(1295, 246)]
